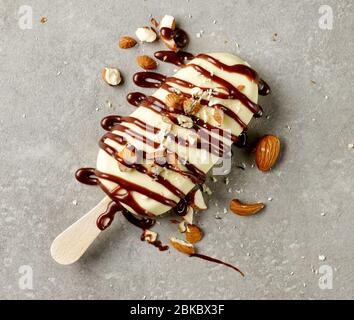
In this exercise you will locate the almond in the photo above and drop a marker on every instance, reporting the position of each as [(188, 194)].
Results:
[(182, 246), (217, 117), (146, 34), (174, 101), (193, 233), (198, 201), (243, 209), (127, 155), (126, 42), (111, 76), (146, 62), (267, 152), (191, 106)]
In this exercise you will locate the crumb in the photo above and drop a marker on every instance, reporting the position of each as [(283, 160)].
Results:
[(292, 273), (323, 214), (217, 217), (304, 285), (248, 254), (321, 257), (227, 180), (75, 202), (350, 146), (109, 104), (58, 73), (313, 81), (225, 210), (229, 190), (189, 16), (65, 63), (275, 36), (214, 179), (43, 20), (237, 45), (24, 116), (302, 257), (268, 117), (270, 199), (326, 97), (214, 21), (198, 35)]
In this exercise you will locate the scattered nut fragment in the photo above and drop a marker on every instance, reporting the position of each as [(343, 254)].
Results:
[(189, 215), (198, 201), (149, 236), (184, 121), (146, 62), (267, 152), (43, 20), (111, 76), (243, 209), (191, 106), (240, 87), (146, 34), (182, 246), (126, 42), (174, 101), (217, 117), (182, 228), (168, 22), (193, 233)]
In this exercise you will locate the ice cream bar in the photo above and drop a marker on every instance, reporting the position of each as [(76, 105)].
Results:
[(150, 161)]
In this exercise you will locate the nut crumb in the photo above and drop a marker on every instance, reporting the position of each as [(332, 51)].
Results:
[(43, 20)]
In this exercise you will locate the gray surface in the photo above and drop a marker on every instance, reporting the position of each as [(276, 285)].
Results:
[(40, 152)]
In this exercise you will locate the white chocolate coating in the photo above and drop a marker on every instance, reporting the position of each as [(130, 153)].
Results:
[(107, 164)]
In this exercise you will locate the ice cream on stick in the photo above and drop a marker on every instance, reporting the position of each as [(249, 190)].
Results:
[(149, 161)]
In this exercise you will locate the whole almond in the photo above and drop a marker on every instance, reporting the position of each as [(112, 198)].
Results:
[(182, 246), (245, 209), (146, 62), (267, 152), (193, 233), (126, 42)]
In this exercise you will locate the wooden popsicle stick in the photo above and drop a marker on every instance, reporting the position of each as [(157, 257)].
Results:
[(72, 243)]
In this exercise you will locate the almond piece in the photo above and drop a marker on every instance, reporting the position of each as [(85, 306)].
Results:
[(126, 42), (174, 101), (188, 217), (240, 87), (111, 76), (184, 121), (170, 23), (149, 236), (127, 155), (198, 201), (193, 233), (146, 34), (146, 62), (182, 228), (267, 152), (182, 246), (217, 117), (245, 209)]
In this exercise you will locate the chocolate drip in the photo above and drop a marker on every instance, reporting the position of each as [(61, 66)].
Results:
[(134, 98), (204, 257), (142, 223), (147, 79), (177, 58), (181, 208), (179, 36), (157, 243), (87, 176), (106, 218), (263, 88)]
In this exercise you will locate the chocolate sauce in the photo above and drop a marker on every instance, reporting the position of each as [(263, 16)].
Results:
[(156, 243), (142, 223), (87, 176), (134, 98), (148, 79), (204, 257), (181, 208), (177, 58), (167, 33), (242, 140), (179, 36), (263, 87), (106, 218)]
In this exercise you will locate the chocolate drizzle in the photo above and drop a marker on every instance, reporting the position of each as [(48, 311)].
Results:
[(119, 128), (177, 58), (179, 36)]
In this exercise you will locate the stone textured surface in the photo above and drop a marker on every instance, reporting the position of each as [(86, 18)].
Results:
[(50, 87)]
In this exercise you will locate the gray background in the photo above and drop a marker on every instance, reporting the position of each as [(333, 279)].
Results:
[(50, 87)]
